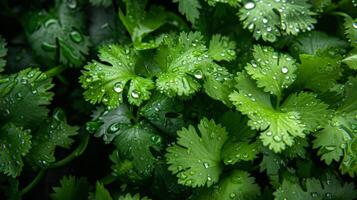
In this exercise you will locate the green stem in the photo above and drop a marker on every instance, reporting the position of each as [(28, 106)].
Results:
[(34, 182), (54, 71), (76, 153), (108, 179)]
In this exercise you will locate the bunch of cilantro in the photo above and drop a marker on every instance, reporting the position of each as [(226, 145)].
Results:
[(178, 99)]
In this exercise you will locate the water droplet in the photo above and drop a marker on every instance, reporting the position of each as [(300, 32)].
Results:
[(72, 4), (118, 87), (232, 195), (76, 36), (113, 128), (135, 94), (249, 5), (343, 146), (328, 195), (156, 139), (277, 138), (48, 47), (251, 26), (269, 133), (265, 20), (209, 178), (284, 70), (205, 165), (198, 74), (314, 194), (354, 24)]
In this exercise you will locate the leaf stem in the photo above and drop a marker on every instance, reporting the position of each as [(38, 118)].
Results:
[(340, 14), (34, 182), (77, 152), (55, 71)]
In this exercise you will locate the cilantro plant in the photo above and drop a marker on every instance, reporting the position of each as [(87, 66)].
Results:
[(178, 99)]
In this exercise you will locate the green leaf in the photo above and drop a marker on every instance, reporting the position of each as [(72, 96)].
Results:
[(274, 72), (71, 188), (236, 185), (313, 112), (313, 42), (165, 113), (330, 188), (270, 19), (57, 36), (3, 53), (235, 151), (351, 61), (221, 48), (233, 3), (140, 23), (196, 159), (123, 169), (179, 59), (106, 82), (132, 197), (105, 3), (55, 132), (14, 144), (189, 8), (134, 141), (101, 193), (351, 30), (319, 72), (24, 97), (338, 137), (280, 127)]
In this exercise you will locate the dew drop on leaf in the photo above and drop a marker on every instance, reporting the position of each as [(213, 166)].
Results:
[(354, 25), (249, 5), (269, 133), (198, 74), (232, 195), (76, 36), (284, 70), (118, 87), (72, 4), (277, 138), (135, 94), (205, 165)]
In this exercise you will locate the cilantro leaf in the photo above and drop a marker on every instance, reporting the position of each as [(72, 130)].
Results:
[(71, 188), (280, 128), (140, 23), (189, 8), (270, 19), (351, 60), (351, 30), (106, 83), (165, 113), (271, 70), (233, 3), (101, 193), (331, 188), (132, 197), (313, 112), (57, 36), (55, 132), (319, 72), (221, 48), (3, 53), (134, 141), (24, 96), (236, 185), (338, 137), (14, 144), (196, 159), (313, 42), (123, 169)]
